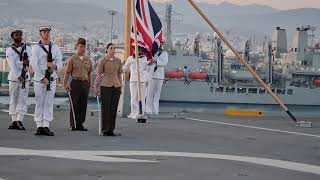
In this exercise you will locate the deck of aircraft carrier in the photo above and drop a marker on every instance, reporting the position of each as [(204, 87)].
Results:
[(193, 146)]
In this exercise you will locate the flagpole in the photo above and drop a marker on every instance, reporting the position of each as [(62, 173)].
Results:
[(274, 97), (136, 53), (127, 27), (123, 107)]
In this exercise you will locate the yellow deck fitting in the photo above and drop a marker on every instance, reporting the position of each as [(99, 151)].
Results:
[(243, 113)]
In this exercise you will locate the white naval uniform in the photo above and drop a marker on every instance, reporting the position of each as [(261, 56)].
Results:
[(44, 99), (131, 66), (155, 82), (18, 96)]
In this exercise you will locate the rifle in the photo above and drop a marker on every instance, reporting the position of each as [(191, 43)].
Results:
[(49, 71), (25, 59)]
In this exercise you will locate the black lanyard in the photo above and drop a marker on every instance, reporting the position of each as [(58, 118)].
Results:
[(44, 48), (22, 50)]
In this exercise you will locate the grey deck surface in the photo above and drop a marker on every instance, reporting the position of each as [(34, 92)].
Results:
[(199, 133)]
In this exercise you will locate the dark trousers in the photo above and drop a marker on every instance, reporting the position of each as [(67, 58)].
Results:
[(109, 105), (79, 94)]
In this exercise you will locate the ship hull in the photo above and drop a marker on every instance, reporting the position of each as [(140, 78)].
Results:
[(202, 92)]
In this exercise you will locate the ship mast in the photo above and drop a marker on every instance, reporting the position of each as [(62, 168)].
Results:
[(167, 31), (220, 61)]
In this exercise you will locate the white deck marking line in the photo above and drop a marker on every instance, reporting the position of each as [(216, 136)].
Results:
[(99, 156), (255, 127), (4, 110), (75, 155)]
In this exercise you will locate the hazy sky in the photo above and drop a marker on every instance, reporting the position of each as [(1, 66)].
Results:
[(279, 4)]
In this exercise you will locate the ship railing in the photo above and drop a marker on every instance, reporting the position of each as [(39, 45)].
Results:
[(183, 79), (249, 90)]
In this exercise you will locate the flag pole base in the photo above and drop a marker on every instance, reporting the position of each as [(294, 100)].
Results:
[(304, 124), (141, 119)]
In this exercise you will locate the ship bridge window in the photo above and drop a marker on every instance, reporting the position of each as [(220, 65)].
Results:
[(219, 89), (262, 91), (290, 91), (230, 90), (252, 90), (241, 90), (235, 66), (281, 91), (306, 63)]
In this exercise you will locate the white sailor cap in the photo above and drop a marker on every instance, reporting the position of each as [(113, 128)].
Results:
[(44, 28), (17, 30)]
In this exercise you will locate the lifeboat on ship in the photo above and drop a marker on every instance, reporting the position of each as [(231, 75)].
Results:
[(174, 74), (316, 82), (198, 76)]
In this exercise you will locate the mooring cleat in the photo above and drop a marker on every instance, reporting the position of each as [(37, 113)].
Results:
[(304, 124)]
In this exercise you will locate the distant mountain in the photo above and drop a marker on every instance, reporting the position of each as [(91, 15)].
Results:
[(52, 11), (223, 7), (266, 23), (257, 19)]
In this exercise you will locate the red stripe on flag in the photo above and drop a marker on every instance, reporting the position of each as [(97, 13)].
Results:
[(144, 14), (146, 38)]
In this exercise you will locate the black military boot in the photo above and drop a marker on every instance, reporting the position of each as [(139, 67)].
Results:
[(46, 131), (111, 133), (13, 125), (72, 129), (39, 131), (20, 126), (81, 128)]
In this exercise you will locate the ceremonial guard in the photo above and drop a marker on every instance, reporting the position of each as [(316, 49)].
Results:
[(109, 78), (80, 68), (46, 60), (131, 66), (155, 81), (18, 59)]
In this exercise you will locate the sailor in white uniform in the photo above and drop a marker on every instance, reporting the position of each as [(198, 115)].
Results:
[(131, 66), (155, 81), (18, 59), (46, 60)]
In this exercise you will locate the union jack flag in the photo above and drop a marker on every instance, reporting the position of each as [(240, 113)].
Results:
[(149, 29)]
